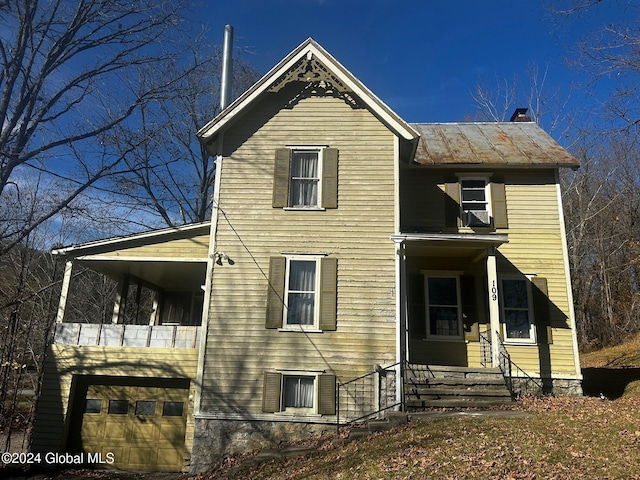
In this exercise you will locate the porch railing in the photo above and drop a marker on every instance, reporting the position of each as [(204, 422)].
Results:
[(525, 382), (367, 396), (119, 335)]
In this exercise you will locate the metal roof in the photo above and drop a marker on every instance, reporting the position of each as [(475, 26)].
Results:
[(516, 144)]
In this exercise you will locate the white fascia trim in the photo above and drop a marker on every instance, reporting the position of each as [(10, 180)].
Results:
[(106, 258), (496, 239), (567, 273)]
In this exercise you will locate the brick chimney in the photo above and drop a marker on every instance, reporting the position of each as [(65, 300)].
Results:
[(520, 115)]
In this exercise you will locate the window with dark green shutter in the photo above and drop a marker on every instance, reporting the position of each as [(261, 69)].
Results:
[(305, 177), (302, 293), (299, 392)]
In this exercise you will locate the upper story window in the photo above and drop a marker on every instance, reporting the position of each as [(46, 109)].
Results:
[(305, 185), (474, 201), (306, 177)]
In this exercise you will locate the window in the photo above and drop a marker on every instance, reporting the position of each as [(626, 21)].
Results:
[(442, 294), (93, 405), (304, 189), (517, 311), (301, 292), (299, 393), (118, 407), (306, 178), (145, 407), (172, 409), (474, 200)]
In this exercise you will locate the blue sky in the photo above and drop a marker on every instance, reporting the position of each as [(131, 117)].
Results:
[(422, 58)]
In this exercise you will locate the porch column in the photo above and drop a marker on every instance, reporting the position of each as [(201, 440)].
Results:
[(494, 306), (66, 280), (401, 318), (121, 299)]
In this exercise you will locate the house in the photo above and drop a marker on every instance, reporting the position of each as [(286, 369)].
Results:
[(347, 250)]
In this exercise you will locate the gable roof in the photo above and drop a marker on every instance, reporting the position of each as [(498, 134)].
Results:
[(509, 144), (295, 63)]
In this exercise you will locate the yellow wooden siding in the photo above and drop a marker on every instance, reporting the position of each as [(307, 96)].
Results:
[(63, 362), (194, 247), (357, 233), (535, 248)]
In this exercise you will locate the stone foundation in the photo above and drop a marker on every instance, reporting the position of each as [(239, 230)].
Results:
[(555, 386), (213, 438)]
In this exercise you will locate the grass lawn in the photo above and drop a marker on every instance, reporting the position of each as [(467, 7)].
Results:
[(563, 438)]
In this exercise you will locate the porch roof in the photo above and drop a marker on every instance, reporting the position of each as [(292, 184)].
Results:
[(460, 245), (169, 258)]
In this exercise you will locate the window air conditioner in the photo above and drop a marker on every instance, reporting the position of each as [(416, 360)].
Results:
[(475, 218)]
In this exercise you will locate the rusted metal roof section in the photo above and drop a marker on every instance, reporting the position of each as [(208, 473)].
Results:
[(516, 144)]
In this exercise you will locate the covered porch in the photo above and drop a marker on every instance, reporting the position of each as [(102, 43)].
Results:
[(158, 296), (449, 295)]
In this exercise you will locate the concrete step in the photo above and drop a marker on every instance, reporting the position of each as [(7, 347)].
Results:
[(390, 420), (447, 386), (462, 382), (460, 392), (452, 402)]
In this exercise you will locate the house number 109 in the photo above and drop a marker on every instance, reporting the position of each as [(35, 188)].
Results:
[(494, 291)]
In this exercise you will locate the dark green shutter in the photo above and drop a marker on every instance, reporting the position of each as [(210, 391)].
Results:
[(416, 307), (469, 308), (327, 394), (271, 392), (499, 203), (281, 178), (275, 293), (328, 293), (452, 202), (330, 178), (542, 310)]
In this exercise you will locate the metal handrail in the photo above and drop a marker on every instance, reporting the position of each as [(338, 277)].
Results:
[(505, 364), (362, 390)]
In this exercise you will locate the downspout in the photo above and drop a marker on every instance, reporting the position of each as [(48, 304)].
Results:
[(225, 94)]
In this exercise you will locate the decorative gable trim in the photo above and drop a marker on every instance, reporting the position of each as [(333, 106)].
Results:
[(307, 60)]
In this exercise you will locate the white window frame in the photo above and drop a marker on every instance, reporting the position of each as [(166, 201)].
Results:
[(443, 274), (298, 410), (503, 324), (318, 150), (487, 198), (316, 303)]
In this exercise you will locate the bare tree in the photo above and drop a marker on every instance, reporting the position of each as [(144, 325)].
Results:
[(71, 73), (172, 175), (547, 106)]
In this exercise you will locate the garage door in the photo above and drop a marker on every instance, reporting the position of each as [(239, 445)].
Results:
[(143, 427)]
